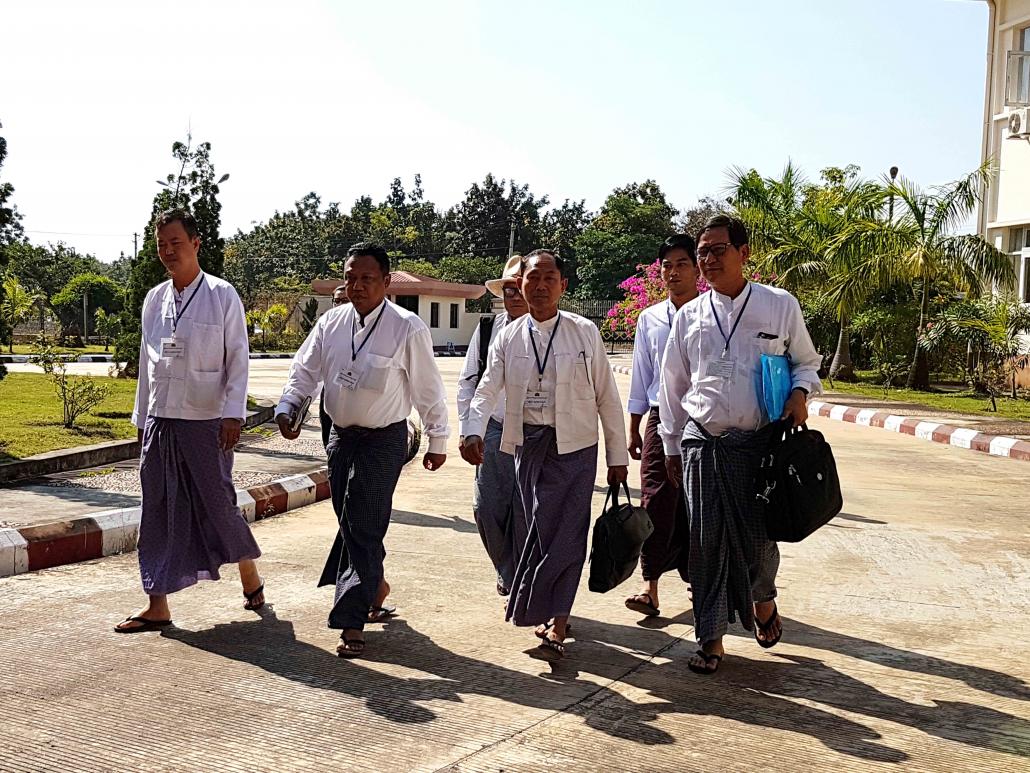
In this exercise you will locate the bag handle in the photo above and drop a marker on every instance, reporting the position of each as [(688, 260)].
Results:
[(613, 493)]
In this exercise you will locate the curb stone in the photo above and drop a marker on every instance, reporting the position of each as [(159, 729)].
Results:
[(107, 533)]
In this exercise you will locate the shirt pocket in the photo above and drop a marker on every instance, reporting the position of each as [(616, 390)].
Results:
[(207, 343), (376, 372), (517, 370), (205, 391)]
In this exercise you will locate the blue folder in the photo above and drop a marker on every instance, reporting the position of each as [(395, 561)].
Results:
[(775, 384)]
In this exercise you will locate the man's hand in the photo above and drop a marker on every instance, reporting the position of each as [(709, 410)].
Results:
[(433, 462), (284, 427), (472, 449), (229, 434), (636, 445), (796, 408), (617, 474), (674, 469)]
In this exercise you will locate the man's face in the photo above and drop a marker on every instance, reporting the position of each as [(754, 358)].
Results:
[(175, 248), (542, 283), (514, 303), (365, 282), (679, 272), (339, 297), (720, 262)]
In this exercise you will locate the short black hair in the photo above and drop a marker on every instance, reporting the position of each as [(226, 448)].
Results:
[(177, 215), (734, 227), (558, 262), (372, 250), (679, 242)]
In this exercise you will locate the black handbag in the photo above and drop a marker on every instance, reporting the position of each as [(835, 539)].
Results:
[(797, 482), (619, 534)]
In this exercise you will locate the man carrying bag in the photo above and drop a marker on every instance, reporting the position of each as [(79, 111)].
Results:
[(619, 534)]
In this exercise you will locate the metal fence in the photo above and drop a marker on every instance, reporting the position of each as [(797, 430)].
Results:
[(596, 310)]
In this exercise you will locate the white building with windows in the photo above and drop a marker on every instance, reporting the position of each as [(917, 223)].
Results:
[(1005, 216)]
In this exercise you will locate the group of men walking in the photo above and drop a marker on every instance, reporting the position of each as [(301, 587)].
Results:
[(535, 383)]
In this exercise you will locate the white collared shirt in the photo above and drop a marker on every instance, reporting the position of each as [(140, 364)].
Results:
[(653, 326), (209, 379), (770, 323), (394, 370), (540, 335), (583, 388), (467, 381)]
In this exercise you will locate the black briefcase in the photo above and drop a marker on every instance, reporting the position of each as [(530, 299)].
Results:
[(619, 534), (797, 482)]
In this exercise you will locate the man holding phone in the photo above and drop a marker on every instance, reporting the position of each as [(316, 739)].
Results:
[(376, 362)]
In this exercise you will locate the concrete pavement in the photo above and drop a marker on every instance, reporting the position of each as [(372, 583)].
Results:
[(903, 649)]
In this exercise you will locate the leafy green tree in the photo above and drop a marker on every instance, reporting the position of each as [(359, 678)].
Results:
[(482, 223), (418, 266), (16, 306), (628, 231), (10, 228), (559, 229), (47, 270), (194, 187), (919, 247), (107, 326), (98, 292), (78, 394), (692, 219)]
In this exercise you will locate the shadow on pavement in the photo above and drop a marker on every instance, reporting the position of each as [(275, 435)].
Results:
[(433, 521)]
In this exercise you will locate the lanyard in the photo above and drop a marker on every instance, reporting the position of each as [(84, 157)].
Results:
[(176, 316), (355, 352), (733, 330), (536, 353), (668, 312)]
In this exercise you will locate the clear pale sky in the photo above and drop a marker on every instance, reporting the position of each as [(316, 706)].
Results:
[(573, 98)]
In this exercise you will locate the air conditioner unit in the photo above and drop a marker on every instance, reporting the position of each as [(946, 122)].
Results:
[(1019, 122)]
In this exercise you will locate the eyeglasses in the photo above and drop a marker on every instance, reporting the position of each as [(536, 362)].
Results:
[(339, 301), (714, 250), (512, 292)]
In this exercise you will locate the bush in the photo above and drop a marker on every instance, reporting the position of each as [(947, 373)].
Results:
[(78, 394)]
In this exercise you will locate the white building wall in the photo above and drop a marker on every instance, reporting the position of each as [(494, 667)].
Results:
[(443, 333)]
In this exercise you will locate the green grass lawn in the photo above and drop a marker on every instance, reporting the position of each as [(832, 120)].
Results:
[(30, 416), (958, 402), (27, 349)]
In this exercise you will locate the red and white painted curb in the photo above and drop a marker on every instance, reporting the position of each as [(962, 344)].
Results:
[(960, 437), (625, 370), (115, 531)]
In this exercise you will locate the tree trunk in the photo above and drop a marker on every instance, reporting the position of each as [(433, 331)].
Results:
[(841, 368), (919, 372)]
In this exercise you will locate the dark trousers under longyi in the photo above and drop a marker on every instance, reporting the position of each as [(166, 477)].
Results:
[(364, 465), (668, 546)]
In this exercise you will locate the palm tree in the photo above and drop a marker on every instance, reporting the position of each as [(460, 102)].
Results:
[(796, 230), (919, 247), (17, 305)]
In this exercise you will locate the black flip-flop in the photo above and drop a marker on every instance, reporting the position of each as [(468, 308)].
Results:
[(147, 625), (645, 608), (351, 648), (549, 649), (253, 595), (379, 614), (547, 627), (764, 628), (705, 670)]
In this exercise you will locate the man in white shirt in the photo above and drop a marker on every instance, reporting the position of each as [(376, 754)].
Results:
[(711, 415), (497, 506), (666, 548), (556, 380), (376, 361), (191, 401), (326, 423)]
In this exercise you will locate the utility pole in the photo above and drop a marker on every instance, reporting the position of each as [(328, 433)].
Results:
[(135, 245), (894, 176), (85, 316), (511, 239)]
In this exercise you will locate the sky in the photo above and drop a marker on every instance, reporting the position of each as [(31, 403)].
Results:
[(573, 98)]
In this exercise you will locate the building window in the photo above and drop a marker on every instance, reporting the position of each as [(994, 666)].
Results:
[(1017, 77), (454, 315), (1024, 294), (434, 315), (409, 302)]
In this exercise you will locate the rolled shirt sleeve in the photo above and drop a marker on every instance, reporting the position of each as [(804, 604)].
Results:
[(427, 391), (674, 384)]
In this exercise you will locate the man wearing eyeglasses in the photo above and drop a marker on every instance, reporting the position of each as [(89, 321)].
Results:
[(496, 504), (711, 416)]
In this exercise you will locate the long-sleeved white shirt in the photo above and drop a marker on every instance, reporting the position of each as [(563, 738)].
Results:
[(653, 326), (694, 386), (393, 370), (467, 380), (208, 380), (584, 388)]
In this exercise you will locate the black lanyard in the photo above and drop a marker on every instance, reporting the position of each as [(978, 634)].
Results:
[(176, 316), (668, 312), (733, 330), (355, 352), (536, 353)]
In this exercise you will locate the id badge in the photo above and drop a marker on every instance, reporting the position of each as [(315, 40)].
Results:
[(720, 368), (172, 348), (348, 378), (537, 398)]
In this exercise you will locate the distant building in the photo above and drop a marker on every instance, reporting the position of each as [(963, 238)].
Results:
[(441, 305), (1005, 216)]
